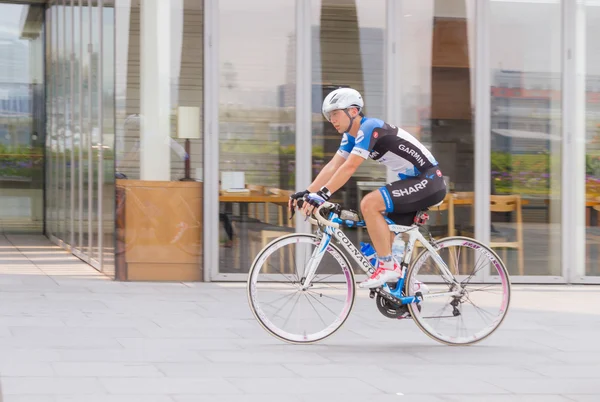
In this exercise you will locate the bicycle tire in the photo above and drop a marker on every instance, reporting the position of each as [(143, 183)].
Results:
[(498, 264), (255, 270)]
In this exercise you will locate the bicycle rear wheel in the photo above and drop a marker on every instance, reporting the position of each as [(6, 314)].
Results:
[(481, 307), (282, 307)]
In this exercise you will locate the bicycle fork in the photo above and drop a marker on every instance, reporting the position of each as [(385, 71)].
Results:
[(315, 260)]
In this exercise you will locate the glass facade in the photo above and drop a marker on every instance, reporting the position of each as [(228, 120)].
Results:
[(22, 116), (348, 48), (159, 96), (257, 115), (433, 99), (588, 120), (526, 135), (80, 129), (160, 140)]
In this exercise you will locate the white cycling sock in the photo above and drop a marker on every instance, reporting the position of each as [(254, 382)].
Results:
[(386, 262)]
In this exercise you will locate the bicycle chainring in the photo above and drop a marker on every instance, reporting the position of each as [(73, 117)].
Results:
[(390, 309)]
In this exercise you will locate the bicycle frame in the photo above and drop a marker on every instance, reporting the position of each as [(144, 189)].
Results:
[(332, 229)]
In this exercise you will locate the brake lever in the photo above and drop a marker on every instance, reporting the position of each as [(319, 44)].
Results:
[(293, 209)]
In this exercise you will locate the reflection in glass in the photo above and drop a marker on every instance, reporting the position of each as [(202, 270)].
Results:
[(76, 122), (435, 87), (158, 138), (66, 44), (526, 134), (94, 127), (257, 127), (348, 51), (591, 68), (21, 119), (87, 162), (49, 162), (108, 136)]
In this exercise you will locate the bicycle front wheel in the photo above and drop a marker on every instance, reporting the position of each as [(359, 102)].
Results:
[(275, 289), (463, 314)]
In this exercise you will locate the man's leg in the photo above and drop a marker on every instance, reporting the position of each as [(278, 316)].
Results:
[(372, 207)]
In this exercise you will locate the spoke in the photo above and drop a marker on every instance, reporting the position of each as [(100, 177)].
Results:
[(292, 285), (289, 315), (276, 300), (485, 289), (294, 260), (326, 285), (468, 279), (289, 279), (281, 308), (311, 291), (322, 320), (328, 276), (440, 311), (455, 259), (440, 273), (293, 253), (320, 302), (479, 310)]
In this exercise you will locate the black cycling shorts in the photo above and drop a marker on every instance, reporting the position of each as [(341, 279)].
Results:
[(403, 198)]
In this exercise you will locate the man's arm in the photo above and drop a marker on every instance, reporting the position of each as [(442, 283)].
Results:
[(327, 172), (344, 173), (338, 179), (324, 175)]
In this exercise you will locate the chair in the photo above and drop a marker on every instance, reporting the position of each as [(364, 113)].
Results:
[(259, 239), (510, 203), (281, 207), (447, 204)]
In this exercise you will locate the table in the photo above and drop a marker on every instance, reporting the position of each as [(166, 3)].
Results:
[(244, 198)]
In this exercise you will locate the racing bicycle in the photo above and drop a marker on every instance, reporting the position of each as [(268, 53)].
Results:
[(301, 287)]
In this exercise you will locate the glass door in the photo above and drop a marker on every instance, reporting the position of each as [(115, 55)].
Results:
[(22, 116), (80, 104), (526, 136)]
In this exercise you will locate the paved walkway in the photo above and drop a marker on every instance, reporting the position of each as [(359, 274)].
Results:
[(68, 333)]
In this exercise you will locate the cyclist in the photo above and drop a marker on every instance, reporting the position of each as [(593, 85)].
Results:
[(420, 183)]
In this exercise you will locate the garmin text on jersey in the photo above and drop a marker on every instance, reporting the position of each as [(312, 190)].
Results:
[(412, 153)]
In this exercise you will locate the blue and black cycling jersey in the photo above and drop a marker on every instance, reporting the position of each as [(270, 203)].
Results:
[(390, 146)]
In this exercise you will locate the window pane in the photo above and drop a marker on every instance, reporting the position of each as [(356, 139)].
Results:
[(76, 128), (158, 143), (591, 56), (61, 92), (525, 43), (108, 135), (435, 84), (94, 125), (257, 126), (50, 119), (87, 163), (348, 46), (21, 119), (67, 45)]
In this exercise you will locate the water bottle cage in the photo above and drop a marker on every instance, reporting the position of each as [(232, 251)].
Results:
[(421, 218)]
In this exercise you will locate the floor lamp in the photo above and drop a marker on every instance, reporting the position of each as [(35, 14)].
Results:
[(188, 127)]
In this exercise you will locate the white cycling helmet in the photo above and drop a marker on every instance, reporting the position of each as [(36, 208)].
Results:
[(342, 98)]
